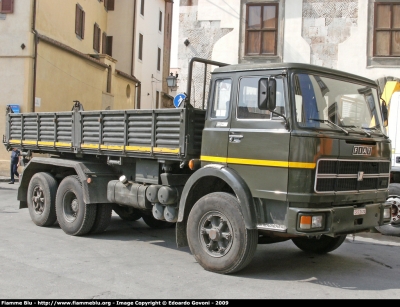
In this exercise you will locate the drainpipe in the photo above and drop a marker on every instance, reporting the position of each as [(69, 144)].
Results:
[(138, 85), (133, 39), (34, 56)]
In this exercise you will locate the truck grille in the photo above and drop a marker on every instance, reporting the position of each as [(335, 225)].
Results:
[(351, 176)]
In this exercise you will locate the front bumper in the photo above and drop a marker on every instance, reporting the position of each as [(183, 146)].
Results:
[(340, 220)]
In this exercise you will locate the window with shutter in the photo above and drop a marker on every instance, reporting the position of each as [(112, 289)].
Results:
[(261, 29), (160, 22), (142, 7), (109, 45), (140, 53), (387, 29), (7, 6), (157, 99), (79, 21), (104, 43), (159, 59), (109, 5), (96, 37)]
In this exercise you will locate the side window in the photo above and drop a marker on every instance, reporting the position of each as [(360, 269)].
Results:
[(222, 99), (247, 104)]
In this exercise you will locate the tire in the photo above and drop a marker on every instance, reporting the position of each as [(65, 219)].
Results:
[(392, 229), (103, 218), (41, 199), (217, 234), (74, 216), (156, 224), (127, 213), (322, 245)]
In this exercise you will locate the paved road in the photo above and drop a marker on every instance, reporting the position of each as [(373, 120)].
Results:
[(132, 261)]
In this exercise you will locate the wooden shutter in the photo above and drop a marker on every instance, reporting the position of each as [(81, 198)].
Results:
[(7, 6), (110, 5), (83, 25), (78, 20), (96, 37), (104, 43), (159, 59), (142, 7), (109, 45), (140, 55)]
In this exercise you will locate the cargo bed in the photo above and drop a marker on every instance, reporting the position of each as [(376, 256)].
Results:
[(173, 134)]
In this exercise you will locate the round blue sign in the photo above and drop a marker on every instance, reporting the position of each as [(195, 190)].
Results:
[(179, 99)]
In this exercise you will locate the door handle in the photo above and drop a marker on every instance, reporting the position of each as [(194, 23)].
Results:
[(235, 138)]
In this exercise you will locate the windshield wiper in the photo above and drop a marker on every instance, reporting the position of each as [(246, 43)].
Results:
[(330, 122), (375, 128), (352, 126)]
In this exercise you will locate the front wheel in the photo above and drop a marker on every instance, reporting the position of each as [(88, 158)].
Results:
[(217, 234), (74, 216), (321, 245)]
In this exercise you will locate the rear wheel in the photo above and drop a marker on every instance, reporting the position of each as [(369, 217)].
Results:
[(322, 245), (217, 235), (394, 198), (41, 199), (74, 216), (103, 218), (127, 213)]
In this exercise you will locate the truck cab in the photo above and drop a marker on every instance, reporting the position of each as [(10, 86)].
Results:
[(308, 150)]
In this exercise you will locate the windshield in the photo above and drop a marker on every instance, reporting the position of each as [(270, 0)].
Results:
[(328, 103)]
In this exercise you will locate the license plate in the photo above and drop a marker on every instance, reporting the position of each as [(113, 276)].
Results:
[(360, 211)]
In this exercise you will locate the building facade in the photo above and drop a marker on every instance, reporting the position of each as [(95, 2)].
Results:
[(106, 54), (356, 36)]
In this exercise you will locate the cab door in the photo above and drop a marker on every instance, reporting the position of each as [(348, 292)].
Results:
[(214, 148), (258, 141)]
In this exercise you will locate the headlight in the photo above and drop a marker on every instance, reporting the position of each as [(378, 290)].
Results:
[(311, 221), (387, 213)]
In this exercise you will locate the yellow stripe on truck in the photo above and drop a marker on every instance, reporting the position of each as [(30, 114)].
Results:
[(255, 162)]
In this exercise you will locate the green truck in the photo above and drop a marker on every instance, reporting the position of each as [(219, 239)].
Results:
[(276, 152)]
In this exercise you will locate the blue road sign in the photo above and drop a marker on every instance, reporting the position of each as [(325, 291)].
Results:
[(179, 99), (15, 108)]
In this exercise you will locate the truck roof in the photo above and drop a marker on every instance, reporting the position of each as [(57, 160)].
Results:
[(309, 67)]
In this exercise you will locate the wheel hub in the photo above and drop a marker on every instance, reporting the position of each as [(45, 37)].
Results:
[(74, 206), (216, 234), (71, 206), (38, 200), (395, 201)]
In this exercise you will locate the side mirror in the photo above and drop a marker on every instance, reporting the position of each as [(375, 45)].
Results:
[(267, 94)]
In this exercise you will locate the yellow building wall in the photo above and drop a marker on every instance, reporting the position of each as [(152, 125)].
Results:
[(19, 93), (124, 97), (56, 19), (63, 77)]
